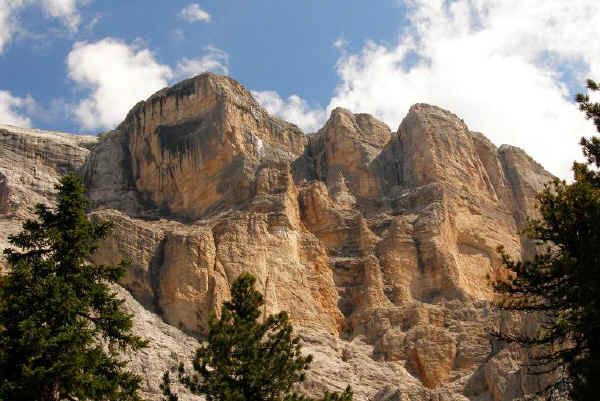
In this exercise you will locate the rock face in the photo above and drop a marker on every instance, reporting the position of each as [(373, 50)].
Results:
[(379, 244), (30, 163), (194, 147)]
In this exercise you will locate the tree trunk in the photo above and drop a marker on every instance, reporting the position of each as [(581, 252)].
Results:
[(52, 393)]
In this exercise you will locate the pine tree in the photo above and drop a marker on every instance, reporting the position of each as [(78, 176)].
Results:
[(61, 326), (245, 360), (562, 283)]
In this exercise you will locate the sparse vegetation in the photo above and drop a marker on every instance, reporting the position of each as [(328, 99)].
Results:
[(562, 283)]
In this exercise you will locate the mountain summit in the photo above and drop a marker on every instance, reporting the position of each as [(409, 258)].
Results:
[(379, 244)]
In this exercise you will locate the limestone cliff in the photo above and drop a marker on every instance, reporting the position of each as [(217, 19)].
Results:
[(30, 163), (379, 244)]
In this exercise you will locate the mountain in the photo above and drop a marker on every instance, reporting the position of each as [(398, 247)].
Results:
[(380, 245)]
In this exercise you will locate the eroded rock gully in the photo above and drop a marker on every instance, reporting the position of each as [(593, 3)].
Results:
[(379, 244)]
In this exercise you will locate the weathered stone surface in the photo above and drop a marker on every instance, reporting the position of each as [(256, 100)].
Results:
[(195, 147), (347, 146), (380, 245), (107, 175), (168, 346), (30, 163)]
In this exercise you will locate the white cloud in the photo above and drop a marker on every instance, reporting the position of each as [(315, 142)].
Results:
[(9, 23), (67, 11), (500, 65), (12, 108), (118, 75), (115, 75), (194, 13), (93, 22), (215, 60), (340, 43), (293, 109)]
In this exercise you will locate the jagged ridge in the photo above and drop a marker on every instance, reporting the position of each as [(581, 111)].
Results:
[(378, 243)]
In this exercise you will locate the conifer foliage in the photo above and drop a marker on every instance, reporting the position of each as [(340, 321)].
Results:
[(245, 360), (562, 283), (55, 306)]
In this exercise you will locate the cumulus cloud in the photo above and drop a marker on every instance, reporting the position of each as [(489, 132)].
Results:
[(193, 13), (12, 109), (503, 66), (293, 109), (67, 11), (215, 60), (117, 75)]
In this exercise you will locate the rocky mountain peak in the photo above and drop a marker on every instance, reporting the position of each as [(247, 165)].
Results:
[(177, 141), (362, 126), (379, 244), (433, 111), (176, 100)]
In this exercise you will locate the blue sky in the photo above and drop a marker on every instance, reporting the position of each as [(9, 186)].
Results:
[(280, 45), (510, 68)]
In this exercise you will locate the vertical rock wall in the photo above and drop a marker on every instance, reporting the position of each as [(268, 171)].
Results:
[(379, 244)]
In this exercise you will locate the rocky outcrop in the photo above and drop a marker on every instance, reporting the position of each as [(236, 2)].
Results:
[(30, 163), (196, 146), (167, 347), (380, 245)]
